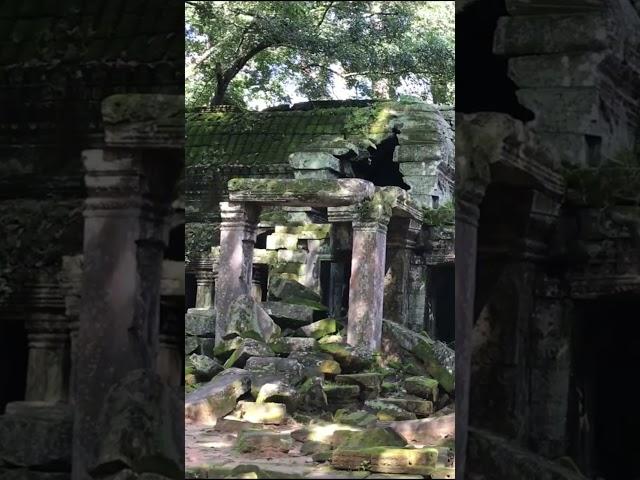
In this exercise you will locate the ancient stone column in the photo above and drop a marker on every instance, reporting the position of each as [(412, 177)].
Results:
[(467, 214), (237, 240), (204, 291), (366, 286), (417, 315), (400, 244), (49, 358)]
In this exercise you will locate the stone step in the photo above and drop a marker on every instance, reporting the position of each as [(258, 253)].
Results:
[(262, 443), (420, 461)]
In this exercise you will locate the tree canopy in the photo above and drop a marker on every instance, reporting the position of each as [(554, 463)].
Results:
[(238, 51)]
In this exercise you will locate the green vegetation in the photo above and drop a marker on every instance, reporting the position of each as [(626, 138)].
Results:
[(443, 215), (238, 51)]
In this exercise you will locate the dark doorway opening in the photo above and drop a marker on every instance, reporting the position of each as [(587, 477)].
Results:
[(382, 170), (13, 361), (441, 292), (176, 246), (190, 290), (482, 82), (603, 419)]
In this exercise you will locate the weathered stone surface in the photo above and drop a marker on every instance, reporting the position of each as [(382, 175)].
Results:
[(279, 392), (314, 161), (386, 460), (320, 193), (267, 413), (310, 447), (313, 396), (200, 322), (261, 442), (426, 431), (248, 319), (340, 392), (36, 434), (218, 397), (358, 418), (288, 368), (276, 241), (337, 338), (439, 359), (226, 347), (320, 328), (26, 474), (424, 387), (293, 344), (227, 425), (289, 314), (191, 344), (204, 368), (350, 359), (369, 383), (247, 349), (389, 412), (290, 291), (139, 428), (317, 363), (421, 408), (371, 437)]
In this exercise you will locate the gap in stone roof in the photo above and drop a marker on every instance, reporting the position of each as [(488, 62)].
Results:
[(382, 171)]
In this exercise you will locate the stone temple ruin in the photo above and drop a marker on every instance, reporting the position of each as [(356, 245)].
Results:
[(320, 329), (547, 189)]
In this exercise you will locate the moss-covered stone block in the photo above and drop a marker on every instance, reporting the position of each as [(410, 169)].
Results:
[(259, 442), (371, 437), (266, 413), (424, 387), (320, 328), (387, 412)]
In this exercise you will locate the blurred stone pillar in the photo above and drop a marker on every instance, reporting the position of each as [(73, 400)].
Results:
[(204, 292), (130, 184), (237, 240)]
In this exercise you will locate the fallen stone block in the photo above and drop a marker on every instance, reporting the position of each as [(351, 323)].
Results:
[(359, 418), (426, 431), (36, 435), (371, 437), (267, 413), (289, 315), (200, 322), (227, 425), (226, 347), (389, 412), (317, 363), (350, 358), (287, 368), (203, 367), (369, 383), (337, 338), (320, 328), (422, 408), (279, 392), (248, 319), (439, 360), (424, 387), (248, 348), (341, 392), (286, 345), (290, 291), (262, 443), (218, 397), (420, 461)]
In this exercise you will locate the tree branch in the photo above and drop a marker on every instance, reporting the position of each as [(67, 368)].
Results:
[(324, 14)]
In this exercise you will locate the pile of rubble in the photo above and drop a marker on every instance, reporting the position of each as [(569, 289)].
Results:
[(284, 382)]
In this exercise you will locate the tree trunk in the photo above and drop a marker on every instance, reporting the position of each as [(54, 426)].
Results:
[(221, 91)]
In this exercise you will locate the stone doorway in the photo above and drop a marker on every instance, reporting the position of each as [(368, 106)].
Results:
[(441, 291), (606, 351), (190, 289), (13, 362)]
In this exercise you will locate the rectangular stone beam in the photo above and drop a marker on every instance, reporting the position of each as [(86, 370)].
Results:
[(300, 192)]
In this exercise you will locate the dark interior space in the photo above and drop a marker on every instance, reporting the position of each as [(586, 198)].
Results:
[(13, 362), (190, 289), (261, 237), (603, 419), (176, 247), (482, 82), (382, 170), (442, 291)]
